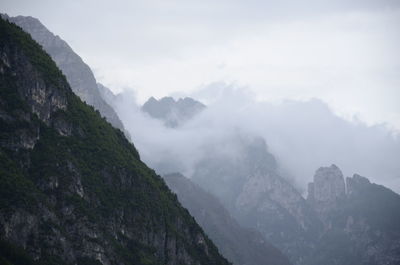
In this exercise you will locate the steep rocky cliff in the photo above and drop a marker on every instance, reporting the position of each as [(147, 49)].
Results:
[(361, 225), (72, 188), (327, 192), (78, 74), (240, 245), (248, 183)]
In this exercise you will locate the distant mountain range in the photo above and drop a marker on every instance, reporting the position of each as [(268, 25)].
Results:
[(333, 226), (339, 223), (250, 186), (240, 245)]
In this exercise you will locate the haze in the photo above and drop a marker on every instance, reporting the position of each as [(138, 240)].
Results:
[(342, 52)]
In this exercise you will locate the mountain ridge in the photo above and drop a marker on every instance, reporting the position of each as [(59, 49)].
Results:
[(240, 245), (78, 73), (361, 220), (73, 189)]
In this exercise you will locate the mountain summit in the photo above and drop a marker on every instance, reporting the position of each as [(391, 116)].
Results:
[(173, 112), (361, 220)]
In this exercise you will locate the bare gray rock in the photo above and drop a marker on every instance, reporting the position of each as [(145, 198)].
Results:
[(361, 223), (249, 185), (240, 245), (327, 190), (77, 72)]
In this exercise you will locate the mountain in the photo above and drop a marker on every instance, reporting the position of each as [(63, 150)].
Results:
[(241, 246), (361, 220), (327, 192), (78, 74), (248, 183), (73, 189), (172, 112), (107, 94), (340, 223)]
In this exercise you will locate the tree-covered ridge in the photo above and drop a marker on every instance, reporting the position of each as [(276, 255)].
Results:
[(72, 187)]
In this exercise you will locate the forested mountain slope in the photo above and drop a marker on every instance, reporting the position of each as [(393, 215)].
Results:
[(73, 190)]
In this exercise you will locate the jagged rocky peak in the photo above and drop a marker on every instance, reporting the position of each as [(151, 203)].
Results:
[(328, 185), (247, 181), (356, 183), (172, 112)]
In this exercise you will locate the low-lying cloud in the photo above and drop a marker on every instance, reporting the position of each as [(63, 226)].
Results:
[(303, 135)]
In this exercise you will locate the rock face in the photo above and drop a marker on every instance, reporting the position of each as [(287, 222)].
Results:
[(356, 184), (333, 226), (107, 94), (327, 191), (241, 246), (361, 226), (173, 113), (72, 188), (249, 185), (79, 75)]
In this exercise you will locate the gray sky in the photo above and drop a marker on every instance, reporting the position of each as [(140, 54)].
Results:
[(343, 52)]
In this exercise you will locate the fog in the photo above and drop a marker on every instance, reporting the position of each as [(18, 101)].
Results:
[(344, 52), (302, 135)]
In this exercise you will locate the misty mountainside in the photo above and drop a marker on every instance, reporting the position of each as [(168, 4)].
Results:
[(353, 223), (172, 112), (78, 74), (233, 162), (247, 181), (240, 245), (235, 165), (107, 95), (361, 220), (73, 189)]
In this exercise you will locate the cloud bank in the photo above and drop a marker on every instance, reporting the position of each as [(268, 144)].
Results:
[(343, 52), (302, 135)]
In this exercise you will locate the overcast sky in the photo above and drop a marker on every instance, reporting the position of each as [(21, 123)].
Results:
[(343, 52)]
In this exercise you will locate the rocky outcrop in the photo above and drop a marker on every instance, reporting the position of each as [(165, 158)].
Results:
[(361, 224), (327, 191), (240, 245), (172, 112), (356, 184), (248, 183), (78, 74), (73, 190)]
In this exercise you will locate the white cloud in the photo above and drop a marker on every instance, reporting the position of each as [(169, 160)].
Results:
[(349, 60), (344, 52), (303, 135)]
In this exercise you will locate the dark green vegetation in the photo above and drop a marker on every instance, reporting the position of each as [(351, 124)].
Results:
[(72, 188), (12, 255), (77, 73)]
